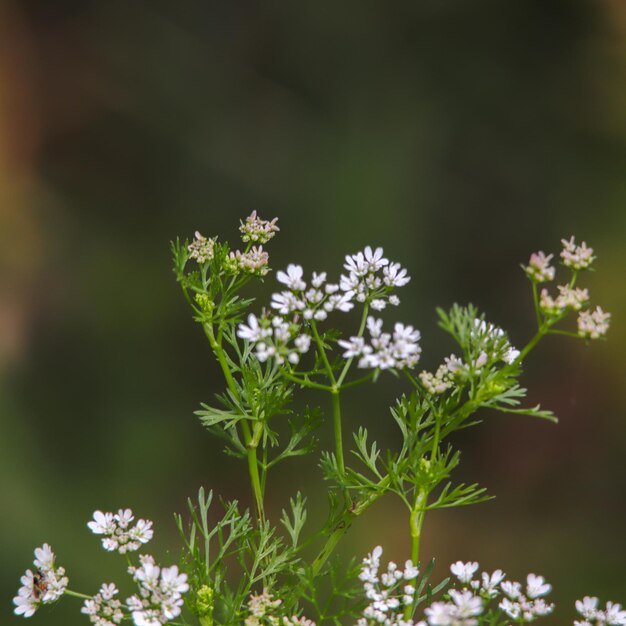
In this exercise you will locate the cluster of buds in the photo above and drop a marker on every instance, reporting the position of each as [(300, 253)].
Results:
[(491, 344), (257, 230), (262, 611), (591, 324), (255, 261), (201, 249)]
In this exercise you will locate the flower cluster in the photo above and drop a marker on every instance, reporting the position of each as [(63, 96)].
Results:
[(201, 249), (262, 611), (591, 324), (160, 593), (539, 269), (119, 534), (315, 302), (257, 230), (461, 611), (371, 278), (255, 261), (389, 592), (43, 586), (529, 605), (104, 609), (275, 338), (576, 257), (464, 606), (568, 298), (398, 350), (491, 344), (611, 615), (594, 324)]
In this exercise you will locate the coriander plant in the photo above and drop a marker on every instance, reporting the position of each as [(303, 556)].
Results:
[(251, 568)]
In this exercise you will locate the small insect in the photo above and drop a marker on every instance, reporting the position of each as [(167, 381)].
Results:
[(40, 584)]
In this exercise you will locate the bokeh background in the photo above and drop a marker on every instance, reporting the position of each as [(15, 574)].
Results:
[(461, 136)]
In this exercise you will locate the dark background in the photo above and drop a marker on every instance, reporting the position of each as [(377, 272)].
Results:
[(461, 136)]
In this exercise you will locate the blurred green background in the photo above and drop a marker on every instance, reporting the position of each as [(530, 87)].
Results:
[(460, 135)]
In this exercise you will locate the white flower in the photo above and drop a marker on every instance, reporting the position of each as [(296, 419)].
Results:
[(536, 586), (511, 355), (464, 571), (160, 593), (253, 332), (614, 614), (587, 607), (512, 609), (302, 343), (374, 259), (293, 277), (286, 302), (394, 275), (378, 304), (467, 604), (511, 589), (44, 558), (318, 279), (491, 582), (102, 524)]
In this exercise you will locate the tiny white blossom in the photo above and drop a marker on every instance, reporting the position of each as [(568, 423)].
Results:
[(536, 586), (292, 278), (587, 607), (464, 571)]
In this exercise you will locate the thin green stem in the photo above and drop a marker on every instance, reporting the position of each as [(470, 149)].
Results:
[(358, 381), (337, 431), (251, 443), (536, 303), (322, 351), (346, 521), (76, 594), (305, 382), (348, 363), (416, 521)]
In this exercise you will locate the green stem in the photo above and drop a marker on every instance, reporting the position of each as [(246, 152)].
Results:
[(251, 443), (337, 430), (416, 521), (320, 346), (305, 382), (76, 594), (346, 521), (346, 367), (536, 303)]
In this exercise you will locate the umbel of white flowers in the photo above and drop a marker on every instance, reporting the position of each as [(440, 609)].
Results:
[(487, 599), (160, 589)]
